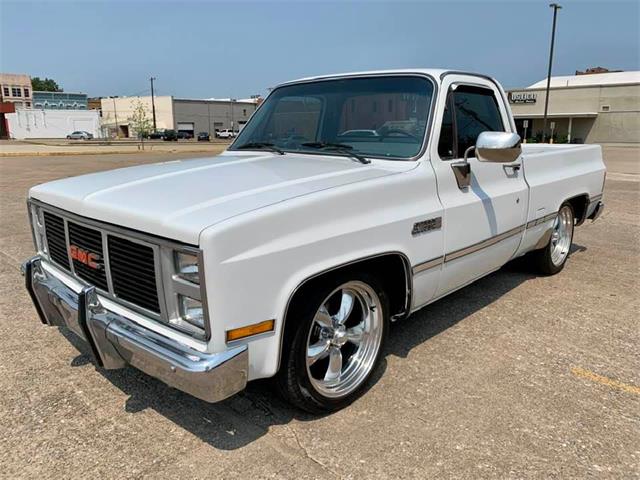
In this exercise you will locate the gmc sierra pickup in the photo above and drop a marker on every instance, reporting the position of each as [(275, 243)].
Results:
[(347, 202)]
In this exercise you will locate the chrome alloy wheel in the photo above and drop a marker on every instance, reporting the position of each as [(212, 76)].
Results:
[(561, 235), (344, 339)]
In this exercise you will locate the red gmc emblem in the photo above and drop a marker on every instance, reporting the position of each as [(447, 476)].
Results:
[(90, 259)]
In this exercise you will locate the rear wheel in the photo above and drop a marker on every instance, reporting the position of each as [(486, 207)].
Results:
[(552, 258), (340, 331)]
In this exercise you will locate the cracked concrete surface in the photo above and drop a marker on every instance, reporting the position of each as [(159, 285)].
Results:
[(481, 384)]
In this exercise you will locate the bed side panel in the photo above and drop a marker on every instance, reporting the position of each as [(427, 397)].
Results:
[(556, 173)]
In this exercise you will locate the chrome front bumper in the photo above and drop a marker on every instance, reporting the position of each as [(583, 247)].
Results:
[(115, 341)]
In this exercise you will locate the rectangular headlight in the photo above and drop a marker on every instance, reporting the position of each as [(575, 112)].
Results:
[(187, 267), (190, 317), (37, 228), (191, 311), (184, 287)]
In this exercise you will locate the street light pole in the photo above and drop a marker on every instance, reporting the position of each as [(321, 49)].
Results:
[(115, 113), (555, 7), (153, 105)]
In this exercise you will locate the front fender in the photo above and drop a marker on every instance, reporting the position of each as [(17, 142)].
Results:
[(256, 261)]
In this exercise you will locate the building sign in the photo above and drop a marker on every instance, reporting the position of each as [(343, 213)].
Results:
[(522, 97)]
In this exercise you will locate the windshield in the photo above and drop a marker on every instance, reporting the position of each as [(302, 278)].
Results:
[(375, 116)]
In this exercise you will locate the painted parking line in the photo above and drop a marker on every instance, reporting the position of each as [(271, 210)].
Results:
[(625, 177), (609, 382)]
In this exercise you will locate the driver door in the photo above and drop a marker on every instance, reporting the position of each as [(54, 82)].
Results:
[(483, 223)]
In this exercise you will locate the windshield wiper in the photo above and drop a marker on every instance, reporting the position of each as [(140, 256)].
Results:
[(260, 146), (338, 147)]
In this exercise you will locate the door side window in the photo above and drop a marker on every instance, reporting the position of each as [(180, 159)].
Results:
[(476, 111), (468, 112)]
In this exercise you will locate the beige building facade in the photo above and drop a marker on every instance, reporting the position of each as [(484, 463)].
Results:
[(184, 115), (116, 113), (594, 108), (16, 89)]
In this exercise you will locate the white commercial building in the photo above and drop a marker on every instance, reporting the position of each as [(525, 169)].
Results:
[(35, 123)]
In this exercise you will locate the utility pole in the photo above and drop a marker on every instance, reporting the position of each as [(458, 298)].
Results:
[(231, 102), (153, 105), (555, 7), (115, 112)]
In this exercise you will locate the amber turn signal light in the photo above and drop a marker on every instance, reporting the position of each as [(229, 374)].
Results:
[(256, 328)]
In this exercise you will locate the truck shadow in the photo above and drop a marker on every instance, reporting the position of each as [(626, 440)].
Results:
[(247, 416)]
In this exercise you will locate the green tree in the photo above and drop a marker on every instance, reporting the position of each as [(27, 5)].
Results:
[(44, 85), (139, 121)]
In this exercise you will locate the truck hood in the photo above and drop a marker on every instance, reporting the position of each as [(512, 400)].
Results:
[(179, 199)]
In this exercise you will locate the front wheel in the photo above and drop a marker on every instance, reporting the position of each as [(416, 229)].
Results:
[(340, 332), (552, 258)]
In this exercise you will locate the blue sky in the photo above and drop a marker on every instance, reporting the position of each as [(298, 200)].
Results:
[(219, 49)]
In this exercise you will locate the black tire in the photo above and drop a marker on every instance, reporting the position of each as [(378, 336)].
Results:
[(292, 379), (542, 259)]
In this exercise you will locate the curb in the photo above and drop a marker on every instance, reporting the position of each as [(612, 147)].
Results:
[(110, 152), (98, 143)]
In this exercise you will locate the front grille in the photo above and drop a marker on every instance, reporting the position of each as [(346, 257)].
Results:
[(56, 239), (133, 272), (89, 240), (131, 265)]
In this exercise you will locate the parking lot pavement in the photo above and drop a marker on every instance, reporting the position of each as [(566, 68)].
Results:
[(515, 376)]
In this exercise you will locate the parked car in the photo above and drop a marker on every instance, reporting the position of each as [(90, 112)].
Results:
[(226, 133), (170, 136), (185, 135), (80, 135), (203, 137), (289, 256), (363, 133), (157, 135)]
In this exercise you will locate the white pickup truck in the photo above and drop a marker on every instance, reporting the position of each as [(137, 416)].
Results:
[(347, 202)]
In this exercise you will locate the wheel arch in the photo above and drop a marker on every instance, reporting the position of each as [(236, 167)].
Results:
[(580, 205), (389, 267)]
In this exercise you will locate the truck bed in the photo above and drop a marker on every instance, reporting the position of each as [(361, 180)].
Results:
[(557, 172)]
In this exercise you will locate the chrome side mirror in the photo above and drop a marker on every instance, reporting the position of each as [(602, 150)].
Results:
[(498, 147)]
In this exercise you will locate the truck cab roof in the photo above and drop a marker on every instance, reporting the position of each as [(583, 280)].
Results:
[(436, 73)]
